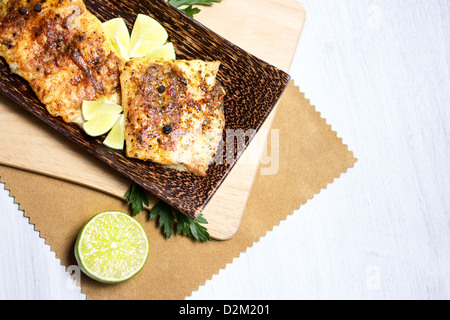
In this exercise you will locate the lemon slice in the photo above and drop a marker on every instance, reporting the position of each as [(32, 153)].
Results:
[(90, 109), (166, 52), (100, 124), (117, 31), (112, 247), (116, 137), (147, 35)]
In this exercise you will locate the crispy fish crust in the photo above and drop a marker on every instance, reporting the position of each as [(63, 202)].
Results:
[(61, 50), (173, 112)]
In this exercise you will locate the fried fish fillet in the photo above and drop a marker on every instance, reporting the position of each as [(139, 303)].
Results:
[(61, 50), (173, 112)]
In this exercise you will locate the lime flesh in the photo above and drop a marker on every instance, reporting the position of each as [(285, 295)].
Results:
[(112, 247), (166, 52), (116, 137), (91, 109), (146, 36), (117, 31), (100, 124)]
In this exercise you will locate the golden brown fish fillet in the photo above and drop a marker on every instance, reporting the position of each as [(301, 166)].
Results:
[(173, 112), (61, 50)]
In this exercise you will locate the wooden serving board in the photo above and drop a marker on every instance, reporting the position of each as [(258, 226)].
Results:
[(269, 29)]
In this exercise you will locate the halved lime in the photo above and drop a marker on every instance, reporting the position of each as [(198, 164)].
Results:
[(166, 52), (146, 36), (116, 137), (112, 247)]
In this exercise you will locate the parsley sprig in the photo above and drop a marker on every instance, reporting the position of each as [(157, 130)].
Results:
[(188, 5), (137, 198), (170, 220)]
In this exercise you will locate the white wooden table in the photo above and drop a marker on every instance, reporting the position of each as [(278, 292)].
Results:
[(379, 72)]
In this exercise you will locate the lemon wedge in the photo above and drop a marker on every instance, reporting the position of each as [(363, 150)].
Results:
[(116, 137), (117, 31), (90, 109), (166, 52), (146, 36)]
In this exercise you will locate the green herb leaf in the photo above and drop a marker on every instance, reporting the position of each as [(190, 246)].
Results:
[(189, 8), (190, 11), (192, 228), (169, 219), (166, 219), (137, 197)]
